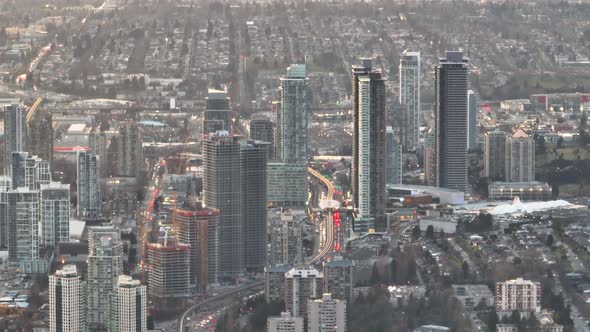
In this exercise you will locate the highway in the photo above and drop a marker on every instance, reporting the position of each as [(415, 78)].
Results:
[(326, 249), (328, 223), (33, 109)]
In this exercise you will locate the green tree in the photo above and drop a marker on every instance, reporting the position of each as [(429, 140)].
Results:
[(465, 269), (549, 240), (375, 277), (514, 317), (430, 232), (492, 320), (540, 144), (393, 271), (415, 232)]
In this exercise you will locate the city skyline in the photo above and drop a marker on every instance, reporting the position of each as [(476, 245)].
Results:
[(287, 166)]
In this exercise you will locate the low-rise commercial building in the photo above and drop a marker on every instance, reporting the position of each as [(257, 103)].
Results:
[(526, 191)]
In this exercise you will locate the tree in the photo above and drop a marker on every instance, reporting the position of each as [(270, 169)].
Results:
[(261, 311), (375, 277), (540, 146), (150, 323), (465, 268), (415, 232), (492, 320), (549, 240), (393, 271), (515, 317), (554, 190), (430, 232)]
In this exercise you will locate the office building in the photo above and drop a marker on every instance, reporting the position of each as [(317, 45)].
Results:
[(292, 118), (67, 301), (286, 236), (409, 97), (198, 228), (222, 189), (29, 171), (87, 185), (253, 155), (518, 294), (429, 149), (217, 114), (394, 157), (326, 314), (168, 270), (55, 213), (339, 278), (473, 106), (287, 184), (451, 115), (130, 160), (105, 265), (15, 132), (497, 162), (368, 147), (284, 323), (128, 306), (261, 129), (301, 284), (522, 157), (274, 282)]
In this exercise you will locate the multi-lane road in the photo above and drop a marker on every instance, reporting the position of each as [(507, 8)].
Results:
[(326, 249)]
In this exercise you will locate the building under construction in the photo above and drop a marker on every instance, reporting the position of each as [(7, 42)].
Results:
[(198, 228), (168, 270)]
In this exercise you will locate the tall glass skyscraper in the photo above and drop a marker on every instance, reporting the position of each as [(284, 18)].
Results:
[(254, 204), (222, 189), (409, 98), (394, 157), (472, 127), (15, 132), (287, 177), (368, 147), (451, 114), (292, 117), (87, 185)]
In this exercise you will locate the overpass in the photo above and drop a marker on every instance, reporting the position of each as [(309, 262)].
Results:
[(33, 109)]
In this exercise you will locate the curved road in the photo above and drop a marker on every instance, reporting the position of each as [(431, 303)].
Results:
[(326, 249)]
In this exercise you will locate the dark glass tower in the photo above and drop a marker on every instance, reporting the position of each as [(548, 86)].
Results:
[(451, 115)]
